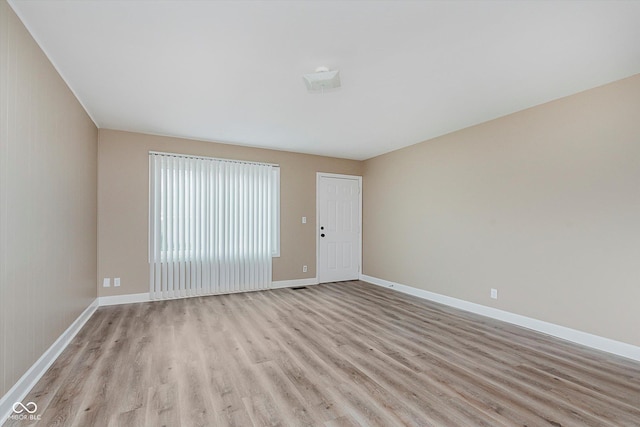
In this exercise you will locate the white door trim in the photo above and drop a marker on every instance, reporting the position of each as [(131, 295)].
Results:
[(335, 175)]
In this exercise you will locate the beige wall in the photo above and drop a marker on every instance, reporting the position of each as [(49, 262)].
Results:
[(123, 191), (543, 205), (48, 202)]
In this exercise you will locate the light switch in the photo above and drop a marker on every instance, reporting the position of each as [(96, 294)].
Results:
[(116, 281), (304, 219)]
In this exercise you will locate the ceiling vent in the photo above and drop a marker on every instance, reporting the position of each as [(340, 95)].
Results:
[(322, 80)]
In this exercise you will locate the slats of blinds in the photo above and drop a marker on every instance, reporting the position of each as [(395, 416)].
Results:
[(210, 226)]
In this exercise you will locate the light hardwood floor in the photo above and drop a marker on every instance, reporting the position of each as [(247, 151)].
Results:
[(341, 354)]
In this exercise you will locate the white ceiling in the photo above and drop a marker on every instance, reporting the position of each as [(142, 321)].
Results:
[(231, 71)]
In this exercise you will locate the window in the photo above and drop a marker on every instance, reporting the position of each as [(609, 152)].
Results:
[(213, 224)]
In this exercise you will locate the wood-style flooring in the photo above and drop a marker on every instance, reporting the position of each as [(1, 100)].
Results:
[(340, 354)]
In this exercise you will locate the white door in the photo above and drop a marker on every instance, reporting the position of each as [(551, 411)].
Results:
[(338, 222)]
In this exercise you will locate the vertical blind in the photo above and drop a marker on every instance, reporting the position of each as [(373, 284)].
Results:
[(213, 225)]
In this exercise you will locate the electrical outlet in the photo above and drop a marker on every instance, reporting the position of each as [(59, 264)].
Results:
[(106, 282), (304, 268), (494, 293), (116, 281)]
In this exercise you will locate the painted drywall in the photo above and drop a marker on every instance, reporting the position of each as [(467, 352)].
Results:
[(48, 202), (123, 207), (543, 205)]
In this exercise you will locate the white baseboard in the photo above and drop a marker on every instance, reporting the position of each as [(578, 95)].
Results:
[(293, 283), (124, 299), (35, 372), (594, 341), (145, 297)]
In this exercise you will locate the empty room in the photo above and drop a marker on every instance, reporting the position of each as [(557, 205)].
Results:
[(319, 213)]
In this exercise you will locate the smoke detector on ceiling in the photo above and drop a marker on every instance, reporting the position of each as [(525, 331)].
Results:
[(323, 79)]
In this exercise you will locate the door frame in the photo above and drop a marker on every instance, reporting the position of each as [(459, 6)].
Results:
[(342, 176)]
